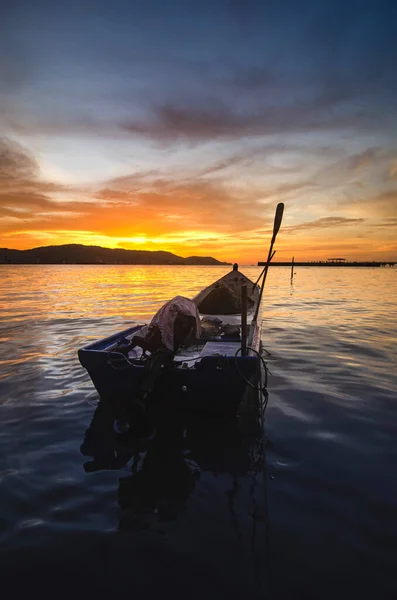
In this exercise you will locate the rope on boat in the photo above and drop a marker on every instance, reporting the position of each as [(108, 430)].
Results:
[(259, 473), (261, 388), (123, 359), (127, 364)]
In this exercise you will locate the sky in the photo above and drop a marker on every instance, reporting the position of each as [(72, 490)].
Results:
[(180, 124)]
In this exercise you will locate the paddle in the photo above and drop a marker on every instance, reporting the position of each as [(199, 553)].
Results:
[(276, 226)]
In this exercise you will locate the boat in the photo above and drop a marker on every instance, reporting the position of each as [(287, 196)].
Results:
[(200, 354)]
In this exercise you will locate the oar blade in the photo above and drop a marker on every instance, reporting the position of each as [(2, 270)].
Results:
[(278, 218)]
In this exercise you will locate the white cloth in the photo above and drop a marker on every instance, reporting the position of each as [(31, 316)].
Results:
[(165, 317)]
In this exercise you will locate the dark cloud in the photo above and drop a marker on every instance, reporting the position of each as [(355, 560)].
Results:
[(15, 163), (21, 191), (20, 176), (197, 71), (171, 123), (24, 196)]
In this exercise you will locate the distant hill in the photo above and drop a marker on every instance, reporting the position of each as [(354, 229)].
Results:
[(79, 254)]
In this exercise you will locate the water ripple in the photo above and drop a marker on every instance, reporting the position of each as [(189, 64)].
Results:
[(330, 429)]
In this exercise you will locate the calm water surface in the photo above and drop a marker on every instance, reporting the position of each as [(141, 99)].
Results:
[(320, 521)]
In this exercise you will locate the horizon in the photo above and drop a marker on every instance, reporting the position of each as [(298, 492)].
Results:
[(179, 127), (231, 262)]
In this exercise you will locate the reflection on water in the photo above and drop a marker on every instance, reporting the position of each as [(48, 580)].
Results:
[(164, 471), (186, 513)]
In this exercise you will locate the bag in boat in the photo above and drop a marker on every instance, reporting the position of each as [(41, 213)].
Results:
[(222, 300), (176, 323)]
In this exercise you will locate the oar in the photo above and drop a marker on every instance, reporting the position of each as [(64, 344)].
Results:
[(277, 222), (256, 282)]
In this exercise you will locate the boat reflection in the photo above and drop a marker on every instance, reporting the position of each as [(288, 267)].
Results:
[(166, 469)]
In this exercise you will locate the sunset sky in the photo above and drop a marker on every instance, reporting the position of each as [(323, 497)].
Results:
[(180, 124)]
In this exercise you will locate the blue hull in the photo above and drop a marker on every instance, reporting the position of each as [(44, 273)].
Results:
[(214, 384)]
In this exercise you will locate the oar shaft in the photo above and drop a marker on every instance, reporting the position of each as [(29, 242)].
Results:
[(276, 226), (265, 270)]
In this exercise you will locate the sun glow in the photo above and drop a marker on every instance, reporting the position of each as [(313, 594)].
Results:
[(246, 248)]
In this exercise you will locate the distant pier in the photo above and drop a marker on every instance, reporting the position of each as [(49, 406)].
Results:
[(334, 264)]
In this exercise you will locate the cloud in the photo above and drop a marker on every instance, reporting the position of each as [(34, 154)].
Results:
[(351, 165), (261, 157), (381, 204), (241, 102), (15, 163), (153, 203), (323, 223), (130, 206), (390, 222), (363, 159), (190, 214), (179, 206), (231, 161), (172, 122), (176, 204), (245, 80), (392, 174), (20, 187), (25, 199)]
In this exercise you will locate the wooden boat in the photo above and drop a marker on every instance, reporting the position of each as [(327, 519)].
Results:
[(208, 373), (211, 370)]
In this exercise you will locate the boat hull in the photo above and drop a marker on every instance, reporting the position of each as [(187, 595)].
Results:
[(215, 384)]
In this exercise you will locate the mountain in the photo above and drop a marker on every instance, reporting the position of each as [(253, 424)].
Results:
[(79, 254)]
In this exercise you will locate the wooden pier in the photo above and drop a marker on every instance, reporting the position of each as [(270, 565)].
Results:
[(335, 264)]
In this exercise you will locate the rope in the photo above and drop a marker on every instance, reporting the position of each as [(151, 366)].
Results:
[(262, 452), (127, 364), (262, 387), (259, 468), (124, 359)]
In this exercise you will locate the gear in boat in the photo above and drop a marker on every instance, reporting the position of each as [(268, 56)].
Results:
[(177, 325)]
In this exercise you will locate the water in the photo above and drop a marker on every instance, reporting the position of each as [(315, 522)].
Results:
[(319, 522)]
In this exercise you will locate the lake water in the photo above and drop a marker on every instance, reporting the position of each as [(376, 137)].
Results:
[(318, 520)]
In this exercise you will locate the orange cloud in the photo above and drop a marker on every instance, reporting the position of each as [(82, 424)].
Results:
[(192, 215)]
